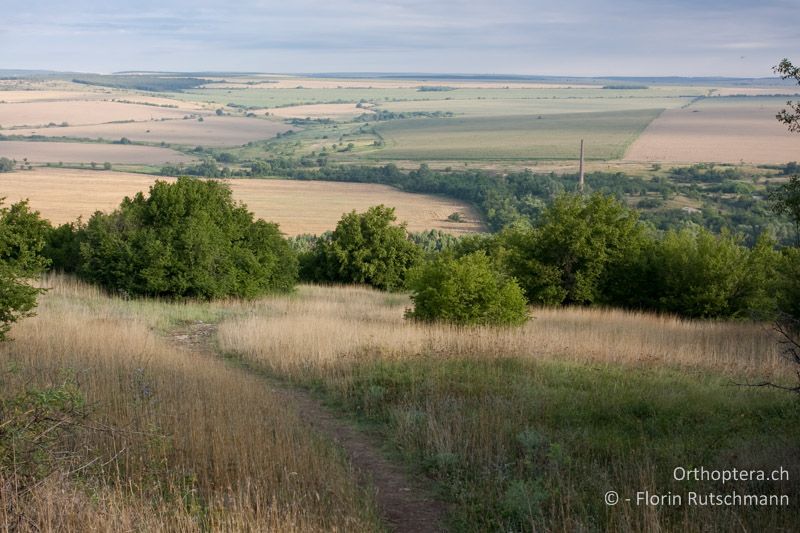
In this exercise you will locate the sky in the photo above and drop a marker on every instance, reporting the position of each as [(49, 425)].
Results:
[(740, 38)]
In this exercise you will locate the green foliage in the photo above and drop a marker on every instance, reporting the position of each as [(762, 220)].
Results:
[(364, 248), (785, 200), (186, 239), (695, 273), (22, 237), (465, 291), (788, 289), (568, 255), (791, 115), (6, 164), (434, 240), (63, 246)]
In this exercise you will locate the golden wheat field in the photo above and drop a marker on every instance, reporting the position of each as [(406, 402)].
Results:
[(62, 195)]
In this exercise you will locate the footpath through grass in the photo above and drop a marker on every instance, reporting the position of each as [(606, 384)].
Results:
[(520, 445)]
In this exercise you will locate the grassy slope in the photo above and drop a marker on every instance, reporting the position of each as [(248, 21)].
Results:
[(106, 426), (529, 428)]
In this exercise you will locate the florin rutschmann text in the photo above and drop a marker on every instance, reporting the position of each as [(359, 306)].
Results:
[(727, 498)]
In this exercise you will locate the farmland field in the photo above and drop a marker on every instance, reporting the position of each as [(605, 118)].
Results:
[(212, 131), (62, 195), (607, 135), (723, 130), (73, 152), (76, 112), (332, 111)]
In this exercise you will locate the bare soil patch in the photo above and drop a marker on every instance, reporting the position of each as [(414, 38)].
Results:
[(720, 132)]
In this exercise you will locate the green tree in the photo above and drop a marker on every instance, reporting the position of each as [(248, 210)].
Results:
[(22, 237), (791, 115), (567, 256), (185, 239), (695, 273), (785, 200), (6, 164), (465, 291), (365, 248)]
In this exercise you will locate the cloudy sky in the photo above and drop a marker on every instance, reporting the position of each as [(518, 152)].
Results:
[(566, 37)]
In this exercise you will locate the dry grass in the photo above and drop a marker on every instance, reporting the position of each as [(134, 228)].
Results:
[(526, 429), (174, 440), (324, 327), (720, 131), (73, 152), (212, 131), (61, 195), (77, 112)]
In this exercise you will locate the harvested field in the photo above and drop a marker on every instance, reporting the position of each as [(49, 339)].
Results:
[(332, 111), (73, 152), (213, 131), (316, 206), (61, 195), (725, 130), (30, 95), (42, 113)]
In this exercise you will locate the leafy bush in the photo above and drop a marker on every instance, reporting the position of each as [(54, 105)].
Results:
[(364, 248), (22, 237), (186, 239), (465, 291), (567, 256), (695, 273)]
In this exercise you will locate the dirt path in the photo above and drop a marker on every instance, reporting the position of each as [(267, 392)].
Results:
[(405, 503)]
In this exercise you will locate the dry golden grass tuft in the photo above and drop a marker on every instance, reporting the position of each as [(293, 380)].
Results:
[(173, 441)]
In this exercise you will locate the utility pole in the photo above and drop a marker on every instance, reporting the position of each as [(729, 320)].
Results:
[(580, 182)]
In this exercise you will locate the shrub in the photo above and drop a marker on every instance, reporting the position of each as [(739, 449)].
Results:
[(186, 239), (465, 291), (22, 237), (567, 256), (364, 248), (695, 273)]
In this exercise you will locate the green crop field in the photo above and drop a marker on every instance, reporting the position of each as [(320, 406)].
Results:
[(542, 105), (607, 135)]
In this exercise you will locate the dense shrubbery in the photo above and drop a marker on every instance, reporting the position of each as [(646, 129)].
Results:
[(364, 248), (186, 239), (594, 251), (22, 237), (465, 291), (569, 255)]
